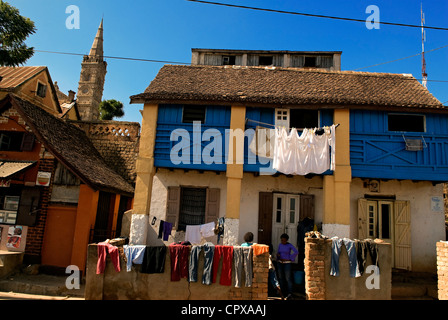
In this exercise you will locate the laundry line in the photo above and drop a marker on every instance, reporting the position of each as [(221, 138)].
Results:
[(299, 129)]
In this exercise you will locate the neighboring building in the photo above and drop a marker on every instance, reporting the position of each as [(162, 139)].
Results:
[(57, 190), (391, 155)]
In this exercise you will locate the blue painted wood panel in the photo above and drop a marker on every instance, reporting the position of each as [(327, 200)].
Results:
[(378, 153), (169, 121)]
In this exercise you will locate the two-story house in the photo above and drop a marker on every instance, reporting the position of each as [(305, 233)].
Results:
[(390, 155), (57, 192)]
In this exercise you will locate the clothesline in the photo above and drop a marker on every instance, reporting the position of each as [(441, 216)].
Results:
[(273, 125)]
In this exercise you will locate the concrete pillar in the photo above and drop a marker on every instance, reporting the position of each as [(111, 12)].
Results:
[(145, 173), (234, 174), (336, 218)]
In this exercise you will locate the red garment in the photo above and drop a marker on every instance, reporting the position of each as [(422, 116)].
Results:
[(179, 256), (227, 257), (102, 249)]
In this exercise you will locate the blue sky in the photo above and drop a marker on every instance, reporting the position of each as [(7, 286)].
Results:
[(168, 29)]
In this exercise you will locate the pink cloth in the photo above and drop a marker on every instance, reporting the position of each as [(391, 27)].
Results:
[(103, 247)]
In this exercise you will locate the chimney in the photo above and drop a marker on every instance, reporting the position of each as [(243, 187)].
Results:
[(71, 96)]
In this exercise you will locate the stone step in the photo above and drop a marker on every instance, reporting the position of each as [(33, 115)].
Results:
[(410, 290), (39, 285)]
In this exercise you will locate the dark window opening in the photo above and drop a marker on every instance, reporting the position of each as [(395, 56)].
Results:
[(310, 62), (192, 207), (303, 118), (11, 140), (265, 60), (228, 60), (385, 219), (41, 90), (193, 113), (406, 122)]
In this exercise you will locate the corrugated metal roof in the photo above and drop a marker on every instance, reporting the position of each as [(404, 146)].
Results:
[(8, 168), (13, 77)]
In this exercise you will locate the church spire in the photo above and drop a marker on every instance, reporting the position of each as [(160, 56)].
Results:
[(97, 46), (91, 82)]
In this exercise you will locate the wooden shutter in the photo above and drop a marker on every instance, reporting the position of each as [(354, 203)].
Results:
[(362, 219), (28, 207), (402, 243), (212, 205), (265, 207), (173, 205), (306, 206), (27, 142)]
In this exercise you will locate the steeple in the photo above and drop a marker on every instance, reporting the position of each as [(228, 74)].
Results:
[(97, 46), (91, 82)]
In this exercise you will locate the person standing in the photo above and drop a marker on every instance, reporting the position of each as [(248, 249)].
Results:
[(286, 255)]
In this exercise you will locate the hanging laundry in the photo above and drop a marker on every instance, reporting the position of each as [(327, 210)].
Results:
[(134, 255), (102, 249), (179, 256), (219, 229), (226, 252), (154, 260), (193, 234), (160, 235), (167, 228), (305, 153), (259, 249), (352, 256), (262, 143), (242, 258), (207, 273), (207, 230)]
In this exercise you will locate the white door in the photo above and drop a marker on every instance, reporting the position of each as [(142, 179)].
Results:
[(284, 219)]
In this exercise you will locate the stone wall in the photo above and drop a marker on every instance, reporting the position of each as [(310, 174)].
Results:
[(442, 270), (117, 142), (134, 285), (320, 285)]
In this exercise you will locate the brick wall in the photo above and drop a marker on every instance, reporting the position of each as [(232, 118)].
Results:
[(442, 270), (315, 268), (35, 235)]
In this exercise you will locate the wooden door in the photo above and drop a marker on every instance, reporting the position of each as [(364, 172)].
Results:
[(265, 201), (402, 244)]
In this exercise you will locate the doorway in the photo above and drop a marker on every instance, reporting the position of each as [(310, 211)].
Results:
[(389, 220)]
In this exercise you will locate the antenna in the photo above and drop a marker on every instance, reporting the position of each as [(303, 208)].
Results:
[(424, 74)]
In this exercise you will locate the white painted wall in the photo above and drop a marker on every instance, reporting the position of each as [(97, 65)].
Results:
[(165, 178), (427, 227)]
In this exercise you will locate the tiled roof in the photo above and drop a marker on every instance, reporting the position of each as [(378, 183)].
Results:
[(14, 77), (285, 86), (71, 146)]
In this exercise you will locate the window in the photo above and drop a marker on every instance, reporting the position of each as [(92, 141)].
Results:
[(297, 118), (193, 113), (406, 122), (16, 141), (265, 60), (304, 118), (9, 205), (41, 90), (379, 219), (228, 60), (310, 62), (192, 207)]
